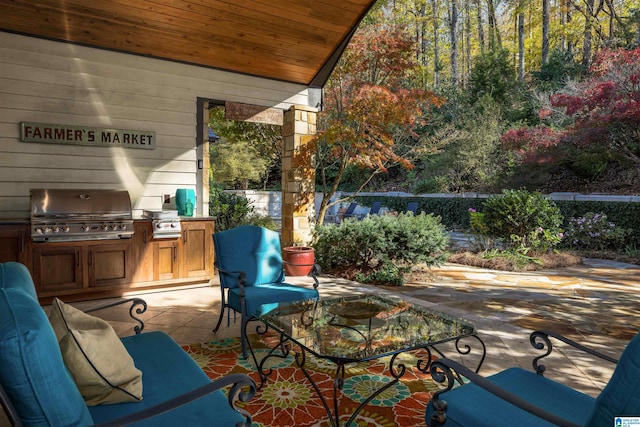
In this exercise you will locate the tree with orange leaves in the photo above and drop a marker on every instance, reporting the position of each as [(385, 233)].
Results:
[(372, 114)]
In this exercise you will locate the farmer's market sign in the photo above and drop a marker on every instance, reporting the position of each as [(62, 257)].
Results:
[(81, 135)]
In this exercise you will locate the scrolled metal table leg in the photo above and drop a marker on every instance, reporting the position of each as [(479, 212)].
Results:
[(334, 418), (396, 373), (284, 353)]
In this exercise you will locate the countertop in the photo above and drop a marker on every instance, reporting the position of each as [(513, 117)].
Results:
[(182, 218)]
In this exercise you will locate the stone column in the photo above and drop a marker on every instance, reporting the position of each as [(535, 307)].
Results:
[(298, 175)]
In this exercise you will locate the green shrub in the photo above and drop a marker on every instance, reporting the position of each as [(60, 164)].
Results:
[(594, 231), (260, 220), (431, 185), (520, 219), (231, 210), (380, 249), (228, 209)]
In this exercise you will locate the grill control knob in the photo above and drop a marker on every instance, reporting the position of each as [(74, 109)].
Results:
[(104, 227), (55, 228), (123, 226), (85, 227), (114, 226), (39, 230), (65, 228)]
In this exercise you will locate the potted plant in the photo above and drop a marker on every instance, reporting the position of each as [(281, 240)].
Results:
[(298, 260)]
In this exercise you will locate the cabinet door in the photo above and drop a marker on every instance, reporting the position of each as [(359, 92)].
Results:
[(57, 267), (14, 244), (166, 259), (143, 255), (197, 249), (109, 264)]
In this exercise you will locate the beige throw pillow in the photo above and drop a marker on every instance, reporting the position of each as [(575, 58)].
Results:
[(96, 358)]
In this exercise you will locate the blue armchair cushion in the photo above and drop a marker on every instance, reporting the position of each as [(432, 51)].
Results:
[(254, 250), (154, 353), (258, 295), (469, 405), (31, 368), (621, 396)]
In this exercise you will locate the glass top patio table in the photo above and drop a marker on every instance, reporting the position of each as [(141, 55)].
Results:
[(363, 327)]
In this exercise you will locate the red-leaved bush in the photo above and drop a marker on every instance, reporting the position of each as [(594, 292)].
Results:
[(604, 109)]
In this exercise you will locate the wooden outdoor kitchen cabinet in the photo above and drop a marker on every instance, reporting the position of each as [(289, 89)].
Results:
[(63, 268), (78, 270), (14, 243), (196, 249), (186, 259)]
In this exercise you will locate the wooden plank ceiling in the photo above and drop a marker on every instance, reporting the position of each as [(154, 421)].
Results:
[(296, 41)]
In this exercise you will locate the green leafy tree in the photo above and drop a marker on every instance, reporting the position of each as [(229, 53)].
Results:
[(236, 163), (246, 152), (493, 75)]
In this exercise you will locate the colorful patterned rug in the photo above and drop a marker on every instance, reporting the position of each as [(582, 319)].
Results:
[(288, 399)]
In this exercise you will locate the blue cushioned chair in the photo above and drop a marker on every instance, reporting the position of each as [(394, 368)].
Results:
[(249, 261), (349, 213), (375, 208), (516, 397), (37, 390), (412, 207)]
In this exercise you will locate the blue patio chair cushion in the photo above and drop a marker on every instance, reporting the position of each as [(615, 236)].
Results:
[(375, 208), (469, 405), (621, 396), (254, 250), (154, 353), (31, 368), (267, 293)]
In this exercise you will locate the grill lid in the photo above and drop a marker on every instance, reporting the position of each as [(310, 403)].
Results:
[(80, 204), (59, 215)]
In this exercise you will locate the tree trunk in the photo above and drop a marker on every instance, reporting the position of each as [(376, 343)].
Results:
[(563, 25), (568, 21), (480, 27), (495, 41), (521, 46), (453, 36), (586, 44), (467, 47), (545, 31), (436, 53)]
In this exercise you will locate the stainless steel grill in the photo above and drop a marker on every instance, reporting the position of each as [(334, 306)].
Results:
[(166, 224), (59, 215)]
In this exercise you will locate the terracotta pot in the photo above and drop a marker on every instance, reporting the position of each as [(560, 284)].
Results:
[(298, 260)]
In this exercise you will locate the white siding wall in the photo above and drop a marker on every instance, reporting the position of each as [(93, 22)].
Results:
[(51, 82)]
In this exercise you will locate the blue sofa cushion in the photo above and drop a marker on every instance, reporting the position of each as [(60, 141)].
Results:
[(154, 354), (31, 368), (254, 250), (469, 405), (267, 293), (621, 396), (16, 276)]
